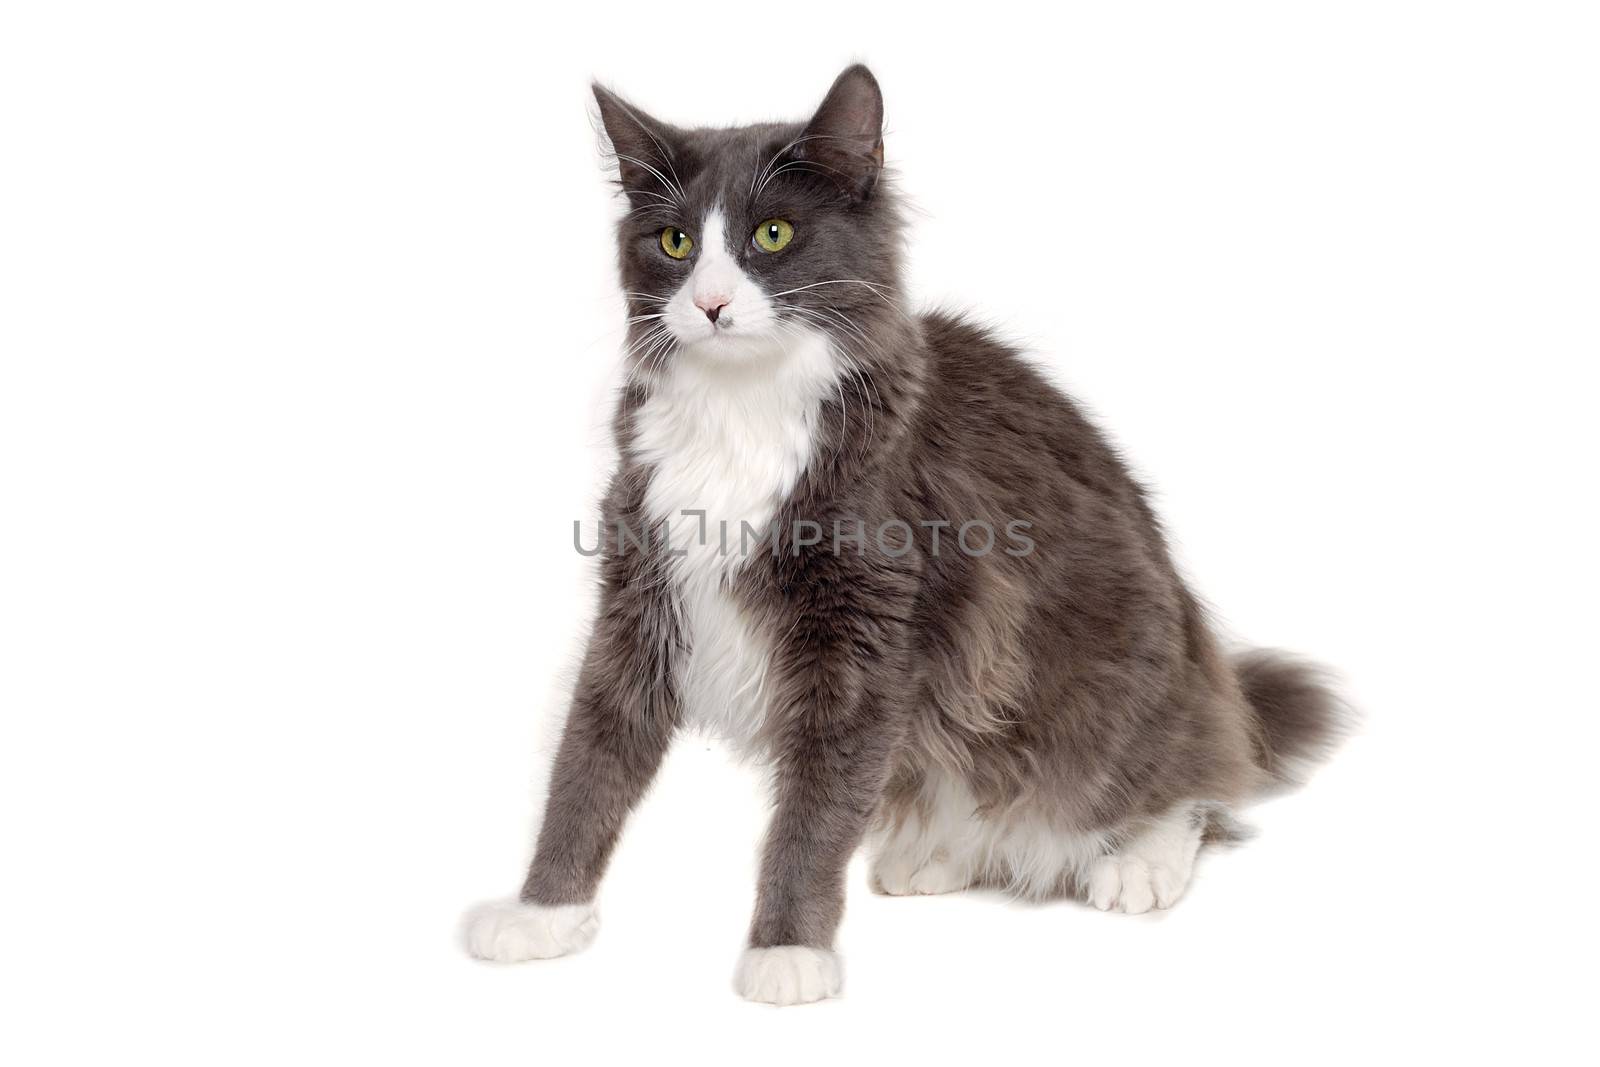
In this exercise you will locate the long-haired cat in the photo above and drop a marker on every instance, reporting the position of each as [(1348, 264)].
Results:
[(877, 550)]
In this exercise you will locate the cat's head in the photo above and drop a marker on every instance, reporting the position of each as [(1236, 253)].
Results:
[(737, 239)]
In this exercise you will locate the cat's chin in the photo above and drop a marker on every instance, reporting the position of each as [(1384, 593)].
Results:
[(734, 348)]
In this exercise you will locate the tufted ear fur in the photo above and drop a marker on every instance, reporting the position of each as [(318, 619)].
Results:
[(644, 147), (844, 139)]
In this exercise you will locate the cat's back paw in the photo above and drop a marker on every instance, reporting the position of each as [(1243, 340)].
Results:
[(1152, 869), (509, 931), (1123, 883), (788, 974), (894, 878)]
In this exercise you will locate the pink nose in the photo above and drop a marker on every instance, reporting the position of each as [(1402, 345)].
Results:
[(711, 305)]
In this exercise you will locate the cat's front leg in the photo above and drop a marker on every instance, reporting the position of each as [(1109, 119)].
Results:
[(623, 716), (834, 733)]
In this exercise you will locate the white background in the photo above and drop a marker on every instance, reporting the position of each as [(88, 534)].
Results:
[(308, 325)]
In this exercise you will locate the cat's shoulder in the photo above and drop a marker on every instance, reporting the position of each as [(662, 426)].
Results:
[(965, 351), (949, 329)]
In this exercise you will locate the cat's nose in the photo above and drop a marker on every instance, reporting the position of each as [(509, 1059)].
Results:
[(711, 305)]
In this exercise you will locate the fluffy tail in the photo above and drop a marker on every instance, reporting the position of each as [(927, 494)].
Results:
[(1300, 717)]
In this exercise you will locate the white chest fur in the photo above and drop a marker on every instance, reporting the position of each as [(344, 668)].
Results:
[(728, 438)]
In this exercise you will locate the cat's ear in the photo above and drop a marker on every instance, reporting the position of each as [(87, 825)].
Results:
[(845, 137), (643, 147)]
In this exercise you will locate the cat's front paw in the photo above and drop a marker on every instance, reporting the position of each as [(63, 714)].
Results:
[(509, 931), (788, 974)]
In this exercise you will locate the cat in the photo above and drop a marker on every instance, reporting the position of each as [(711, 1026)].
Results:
[(995, 676)]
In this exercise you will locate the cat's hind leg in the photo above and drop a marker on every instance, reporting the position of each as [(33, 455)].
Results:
[(1151, 868)]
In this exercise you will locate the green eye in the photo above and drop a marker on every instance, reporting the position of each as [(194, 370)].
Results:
[(773, 234), (675, 243)]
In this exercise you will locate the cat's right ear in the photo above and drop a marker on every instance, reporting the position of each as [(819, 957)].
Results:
[(642, 147)]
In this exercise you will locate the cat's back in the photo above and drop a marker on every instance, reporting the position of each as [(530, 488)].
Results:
[(988, 412)]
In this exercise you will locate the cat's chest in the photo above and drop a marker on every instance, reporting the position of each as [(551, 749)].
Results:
[(724, 453)]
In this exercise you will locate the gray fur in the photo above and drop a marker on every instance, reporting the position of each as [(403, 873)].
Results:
[(1081, 681)]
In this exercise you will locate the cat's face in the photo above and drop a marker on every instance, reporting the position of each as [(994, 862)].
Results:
[(740, 239)]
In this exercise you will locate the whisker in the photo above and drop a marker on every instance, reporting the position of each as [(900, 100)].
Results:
[(874, 287), (662, 178), (862, 380), (767, 174)]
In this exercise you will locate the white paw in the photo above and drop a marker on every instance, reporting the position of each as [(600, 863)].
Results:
[(939, 876), (891, 875), (509, 931), (787, 974), (896, 878), (1133, 885)]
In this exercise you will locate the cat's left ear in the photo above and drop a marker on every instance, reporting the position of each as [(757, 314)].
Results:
[(845, 137), (643, 147)]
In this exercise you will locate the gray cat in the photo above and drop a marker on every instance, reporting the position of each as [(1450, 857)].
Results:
[(877, 550)]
